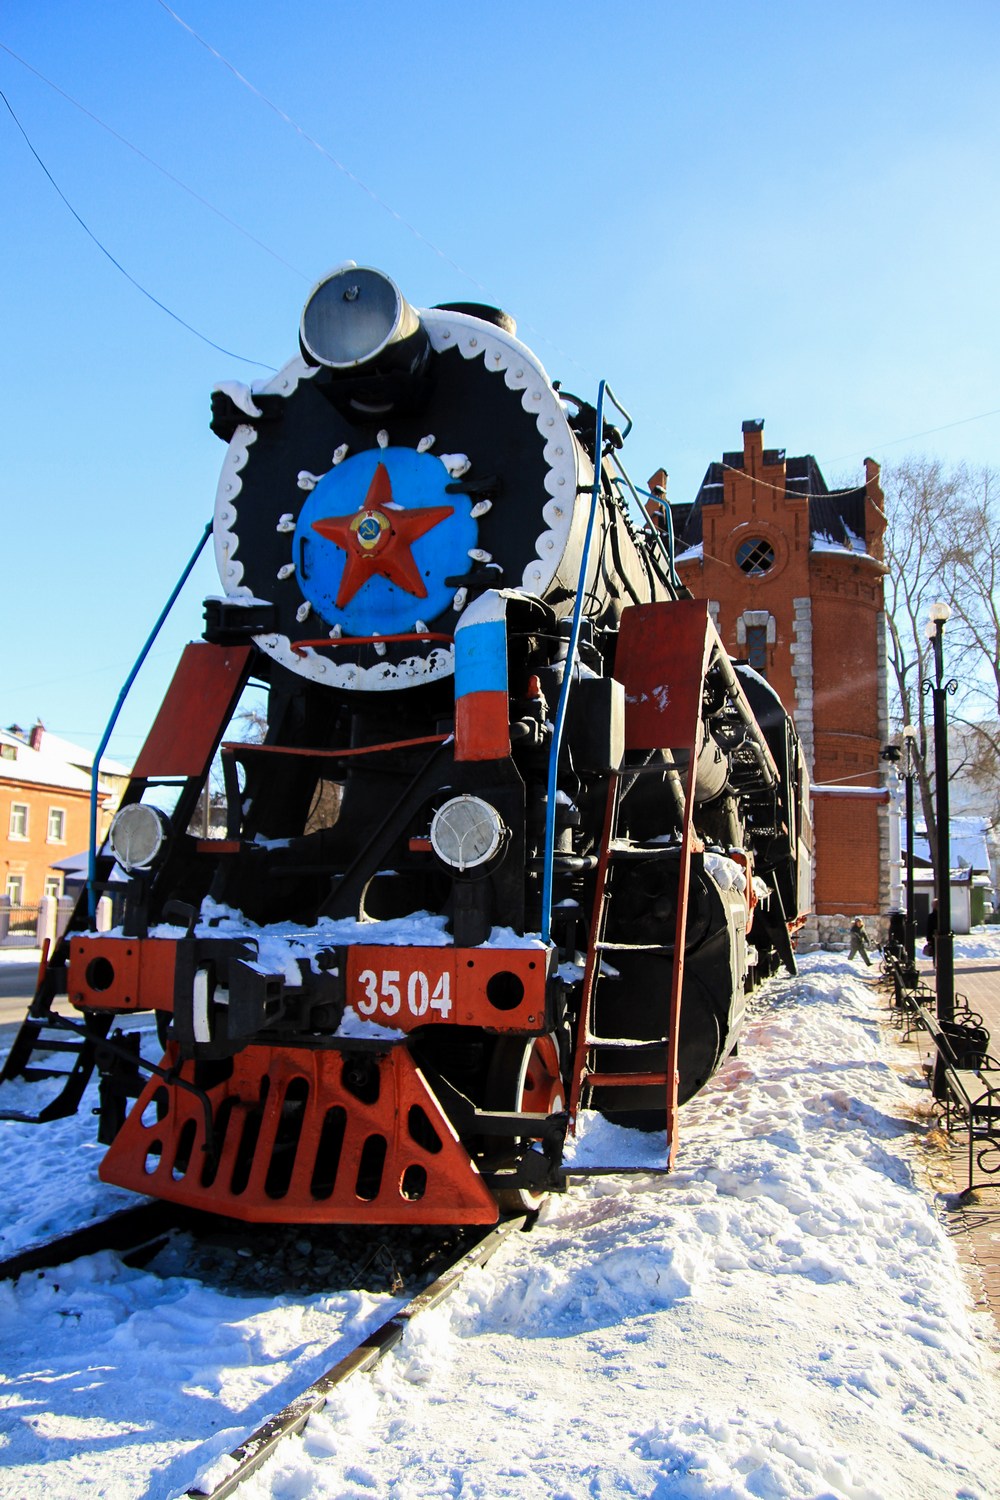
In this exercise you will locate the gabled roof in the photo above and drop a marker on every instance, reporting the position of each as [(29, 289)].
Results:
[(78, 755), (836, 517), (967, 844), (37, 768)]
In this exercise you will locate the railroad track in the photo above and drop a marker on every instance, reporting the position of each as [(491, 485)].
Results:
[(138, 1234), (292, 1418)]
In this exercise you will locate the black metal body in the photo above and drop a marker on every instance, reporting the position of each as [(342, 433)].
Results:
[(371, 730)]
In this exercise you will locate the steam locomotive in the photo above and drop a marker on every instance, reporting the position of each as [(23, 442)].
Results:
[(516, 841)]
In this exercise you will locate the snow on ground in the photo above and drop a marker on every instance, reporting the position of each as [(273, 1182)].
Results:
[(783, 1317)]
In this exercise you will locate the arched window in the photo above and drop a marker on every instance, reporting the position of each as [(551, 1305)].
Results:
[(757, 648)]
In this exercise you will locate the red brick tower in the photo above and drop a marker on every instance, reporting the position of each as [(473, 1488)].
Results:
[(793, 574)]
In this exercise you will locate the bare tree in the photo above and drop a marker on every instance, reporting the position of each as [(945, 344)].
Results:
[(943, 542)]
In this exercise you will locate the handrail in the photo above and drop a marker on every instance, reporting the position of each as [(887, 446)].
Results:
[(300, 647), (659, 536), (109, 730), (548, 852), (247, 749)]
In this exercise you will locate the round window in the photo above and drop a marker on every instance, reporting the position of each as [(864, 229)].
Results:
[(755, 556)]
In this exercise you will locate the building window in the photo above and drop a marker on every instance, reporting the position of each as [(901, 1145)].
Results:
[(19, 820), (757, 648), (15, 889), (57, 825), (54, 886), (8, 752), (755, 556)]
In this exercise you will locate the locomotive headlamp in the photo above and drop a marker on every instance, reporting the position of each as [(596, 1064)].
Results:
[(136, 836), (466, 832), (354, 315)]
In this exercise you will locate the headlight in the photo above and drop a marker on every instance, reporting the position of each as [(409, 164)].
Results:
[(466, 832), (137, 835), (351, 316)]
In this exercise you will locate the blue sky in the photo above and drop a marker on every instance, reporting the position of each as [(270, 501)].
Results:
[(729, 210)]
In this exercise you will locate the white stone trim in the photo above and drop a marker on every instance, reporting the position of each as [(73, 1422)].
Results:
[(802, 675), (756, 617)]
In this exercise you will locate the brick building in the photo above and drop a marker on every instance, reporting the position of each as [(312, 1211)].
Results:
[(45, 810), (793, 573)]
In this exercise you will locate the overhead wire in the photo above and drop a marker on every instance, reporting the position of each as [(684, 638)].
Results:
[(360, 183), (229, 353), (779, 489), (912, 437), (353, 177), (152, 162), (318, 146)]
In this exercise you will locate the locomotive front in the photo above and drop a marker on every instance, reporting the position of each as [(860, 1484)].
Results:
[(497, 854)]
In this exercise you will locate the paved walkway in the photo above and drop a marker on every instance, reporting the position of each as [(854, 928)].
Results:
[(974, 1225)]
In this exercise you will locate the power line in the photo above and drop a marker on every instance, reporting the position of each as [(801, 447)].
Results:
[(843, 457), (117, 264), (149, 160), (318, 146), (928, 432), (358, 182)]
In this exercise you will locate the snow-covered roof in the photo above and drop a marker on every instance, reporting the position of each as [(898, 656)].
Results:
[(967, 843), (39, 768), (690, 554), (79, 755), (836, 789)]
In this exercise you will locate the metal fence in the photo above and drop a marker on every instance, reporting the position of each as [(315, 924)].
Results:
[(25, 926), (18, 925)]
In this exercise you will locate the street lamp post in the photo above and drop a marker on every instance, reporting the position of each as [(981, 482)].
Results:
[(909, 736), (939, 689)]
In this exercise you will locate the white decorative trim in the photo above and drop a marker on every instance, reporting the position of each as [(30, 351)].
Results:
[(802, 675), (890, 892), (752, 618), (285, 383), (501, 354)]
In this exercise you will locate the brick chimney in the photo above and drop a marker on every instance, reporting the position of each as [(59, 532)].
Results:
[(37, 734), (753, 445)]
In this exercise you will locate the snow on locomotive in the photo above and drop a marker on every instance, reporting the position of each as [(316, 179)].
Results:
[(518, 837)]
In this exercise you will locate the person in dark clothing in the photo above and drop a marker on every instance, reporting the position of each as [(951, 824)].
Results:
[(930, 947), (895, 946), (859, 940)]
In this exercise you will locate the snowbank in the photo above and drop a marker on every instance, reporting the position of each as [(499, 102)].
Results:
[(782, 1318)]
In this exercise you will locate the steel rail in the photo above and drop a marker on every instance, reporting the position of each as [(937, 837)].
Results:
[(128, 1231), (258, 1447)]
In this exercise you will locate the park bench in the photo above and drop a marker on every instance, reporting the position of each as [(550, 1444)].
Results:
[(966, 1080)]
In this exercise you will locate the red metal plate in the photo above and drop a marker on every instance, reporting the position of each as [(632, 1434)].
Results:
[(113, 973), (662, 655), (199, 704), (297, 1145), (500, 989)]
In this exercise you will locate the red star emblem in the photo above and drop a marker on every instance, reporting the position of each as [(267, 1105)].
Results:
[(377, 540)]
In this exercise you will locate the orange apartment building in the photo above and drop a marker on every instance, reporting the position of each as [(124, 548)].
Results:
[(793, 573), (44, 813)]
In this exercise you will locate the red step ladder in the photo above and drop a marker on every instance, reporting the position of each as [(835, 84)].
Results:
[(664, 652)]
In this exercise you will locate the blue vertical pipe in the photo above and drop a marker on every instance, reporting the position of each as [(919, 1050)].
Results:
[(164, 612)]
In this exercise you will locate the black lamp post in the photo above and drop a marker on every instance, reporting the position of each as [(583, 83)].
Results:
[(909, 736), (939, 690), (893, 754)]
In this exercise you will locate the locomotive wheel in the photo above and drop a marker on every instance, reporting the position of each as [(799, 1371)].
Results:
[(524, 1074)]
